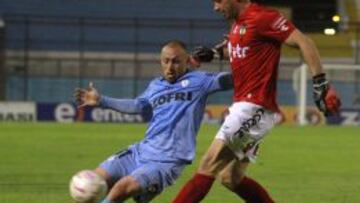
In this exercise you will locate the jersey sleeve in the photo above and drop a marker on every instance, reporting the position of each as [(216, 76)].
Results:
[(122, 105), (214, 82), (143, 103), (273, 25), (139, 105)]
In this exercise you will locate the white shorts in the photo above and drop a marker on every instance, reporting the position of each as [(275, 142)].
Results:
[(245, 127)]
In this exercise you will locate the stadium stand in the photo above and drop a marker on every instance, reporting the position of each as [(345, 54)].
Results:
[(69, 43)]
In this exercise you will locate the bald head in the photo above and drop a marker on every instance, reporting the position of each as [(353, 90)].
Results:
[(174, 59), (175, 43)]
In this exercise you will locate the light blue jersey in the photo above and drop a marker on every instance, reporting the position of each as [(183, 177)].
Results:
[(177, 112)]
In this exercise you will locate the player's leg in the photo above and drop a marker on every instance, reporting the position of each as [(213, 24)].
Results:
[(233, 173), (105, 175), (123, 189), (243, 129), (256, 123), (153, 177), (233, 177), (214, 160), (115, 170), (120, 190)]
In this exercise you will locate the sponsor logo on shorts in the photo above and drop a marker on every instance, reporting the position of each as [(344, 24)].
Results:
[(246, 125)]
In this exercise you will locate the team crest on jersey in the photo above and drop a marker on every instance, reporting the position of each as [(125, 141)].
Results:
[(242, 30), (154, 188), (185, 83)]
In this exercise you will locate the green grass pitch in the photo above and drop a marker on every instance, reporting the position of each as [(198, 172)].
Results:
[(298, 165)]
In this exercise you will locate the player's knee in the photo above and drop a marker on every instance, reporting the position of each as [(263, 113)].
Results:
[(224, 180), (131, 186), (228, 181), (105, 175), (231, 178), (215, 160), (124, 188)]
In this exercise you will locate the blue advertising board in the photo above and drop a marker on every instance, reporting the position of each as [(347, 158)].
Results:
[(348, 116), (69, 113)]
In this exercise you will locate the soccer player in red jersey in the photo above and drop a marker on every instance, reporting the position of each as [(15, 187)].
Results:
[(253, 48)]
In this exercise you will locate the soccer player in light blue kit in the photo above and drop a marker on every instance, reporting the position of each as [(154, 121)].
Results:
[(175, 104)]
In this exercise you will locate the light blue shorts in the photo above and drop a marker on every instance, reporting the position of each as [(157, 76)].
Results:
[(152, 176)]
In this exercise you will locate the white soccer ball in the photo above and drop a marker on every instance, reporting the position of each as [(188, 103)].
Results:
[(87, 187)]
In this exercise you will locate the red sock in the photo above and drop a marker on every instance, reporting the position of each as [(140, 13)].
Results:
[(252, 192), (195, 189)]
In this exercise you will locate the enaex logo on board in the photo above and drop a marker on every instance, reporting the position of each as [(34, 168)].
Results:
[(68, 113)]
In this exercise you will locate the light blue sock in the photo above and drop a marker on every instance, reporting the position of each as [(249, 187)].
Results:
[(106, 200)]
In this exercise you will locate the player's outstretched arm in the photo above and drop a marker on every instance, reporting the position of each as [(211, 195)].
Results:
[(130, 106), (91, 97), (326, 98), (225, 81), (219, 82)]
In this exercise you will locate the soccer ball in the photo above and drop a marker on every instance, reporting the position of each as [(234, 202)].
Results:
[(87, 186)]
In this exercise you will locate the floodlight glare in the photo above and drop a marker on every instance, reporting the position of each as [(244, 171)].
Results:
[(329, 31), (336, 18)]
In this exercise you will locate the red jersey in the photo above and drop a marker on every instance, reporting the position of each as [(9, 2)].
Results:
[(254, 47)]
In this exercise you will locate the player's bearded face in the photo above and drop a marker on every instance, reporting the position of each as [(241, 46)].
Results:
[(227, 8), (173, 63)]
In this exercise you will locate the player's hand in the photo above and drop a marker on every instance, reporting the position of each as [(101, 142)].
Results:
[(203, 54), (325, 96), (194, 62), (219, 47), (87, 97)]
